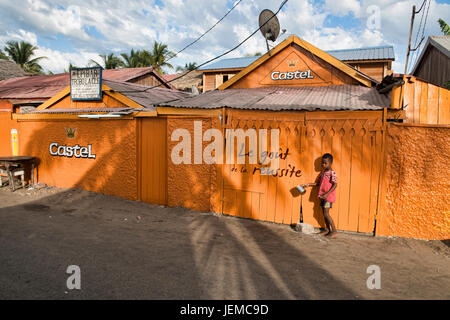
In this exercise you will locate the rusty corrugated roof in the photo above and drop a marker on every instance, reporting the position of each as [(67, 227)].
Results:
[(146, 96), (343, 97), (46, 86)]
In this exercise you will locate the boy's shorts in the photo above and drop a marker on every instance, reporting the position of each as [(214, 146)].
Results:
[(326, 204)]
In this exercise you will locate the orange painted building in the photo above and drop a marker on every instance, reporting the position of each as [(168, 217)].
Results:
[(317, 103)]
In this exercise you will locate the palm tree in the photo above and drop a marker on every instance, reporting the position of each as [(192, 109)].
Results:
[(110, 61), (187, 67), (71, 66), (161, 54), (21, 53), (3, 56), (445, 28), (145, 58), (130, 60)]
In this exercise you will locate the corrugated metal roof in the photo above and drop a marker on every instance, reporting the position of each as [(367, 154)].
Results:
[(343, 97), (368, 53), (442, 43), (232, 63), (46, 86), (143, 95)]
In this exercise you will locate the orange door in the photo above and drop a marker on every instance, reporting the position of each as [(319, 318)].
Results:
[(153, 161)]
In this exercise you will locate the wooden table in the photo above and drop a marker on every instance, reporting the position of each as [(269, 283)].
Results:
[(15, 161)]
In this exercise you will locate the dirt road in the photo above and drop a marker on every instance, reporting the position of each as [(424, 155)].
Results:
[(133, 250)]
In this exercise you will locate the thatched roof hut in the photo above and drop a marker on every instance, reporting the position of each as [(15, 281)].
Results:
[(8, 69)]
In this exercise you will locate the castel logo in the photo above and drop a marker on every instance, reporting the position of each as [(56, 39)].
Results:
[(76, 151), (277, 75), (70, 132)]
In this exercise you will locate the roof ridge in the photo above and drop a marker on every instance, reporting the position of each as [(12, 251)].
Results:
[(363, 48)]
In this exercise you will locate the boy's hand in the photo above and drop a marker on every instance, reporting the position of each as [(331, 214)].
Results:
[(324, 196)]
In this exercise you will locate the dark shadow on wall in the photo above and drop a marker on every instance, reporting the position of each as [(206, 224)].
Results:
[(109, 173), (314, 195)]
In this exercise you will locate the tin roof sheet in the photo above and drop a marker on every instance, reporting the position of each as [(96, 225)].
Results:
[(145, 96), (343, 97), (46, 86), (367, 53)]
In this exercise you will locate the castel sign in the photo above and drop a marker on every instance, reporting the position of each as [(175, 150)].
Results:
[(277, 75), (76, 151)]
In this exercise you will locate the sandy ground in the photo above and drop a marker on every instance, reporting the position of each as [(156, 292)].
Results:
[(133, 250)]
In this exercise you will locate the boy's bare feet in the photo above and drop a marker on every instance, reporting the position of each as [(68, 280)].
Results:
[(332, 234), (324, 233)]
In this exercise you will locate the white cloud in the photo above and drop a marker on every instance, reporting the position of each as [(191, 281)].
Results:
[(26, 36), (343, 7), (58, 61), (123, 25)]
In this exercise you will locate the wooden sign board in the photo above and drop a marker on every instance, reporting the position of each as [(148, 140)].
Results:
[(86, 84)]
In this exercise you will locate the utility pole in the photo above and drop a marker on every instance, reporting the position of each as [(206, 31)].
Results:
[(410, 35)]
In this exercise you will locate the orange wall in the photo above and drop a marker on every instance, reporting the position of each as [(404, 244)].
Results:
[(113, 172), (191, 186), (6, 124), (417, 183)]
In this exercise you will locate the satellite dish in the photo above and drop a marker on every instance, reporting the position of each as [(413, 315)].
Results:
[(269, 26)]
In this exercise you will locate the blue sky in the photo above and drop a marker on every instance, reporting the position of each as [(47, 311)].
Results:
[(77, 31)]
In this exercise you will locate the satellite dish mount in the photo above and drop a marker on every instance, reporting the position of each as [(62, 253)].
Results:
[(269, 26)]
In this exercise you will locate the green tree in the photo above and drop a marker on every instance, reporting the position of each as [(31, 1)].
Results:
[(447, 85), (22, 54), (110, 61), (157, 58), (187, 67), (71, 66), (130, 60), (161, 54), (256, 54), (3, 55), (445, 28)]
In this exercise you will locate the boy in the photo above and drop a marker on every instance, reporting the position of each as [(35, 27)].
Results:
[(327, 183)]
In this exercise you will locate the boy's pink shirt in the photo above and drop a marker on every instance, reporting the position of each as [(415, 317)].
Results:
[(325, 180)]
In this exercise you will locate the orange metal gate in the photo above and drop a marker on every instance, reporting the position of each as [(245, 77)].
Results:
[(152, 176), (354, 139)]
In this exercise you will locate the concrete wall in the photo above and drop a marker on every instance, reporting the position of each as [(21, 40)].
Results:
[(417, 183)]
